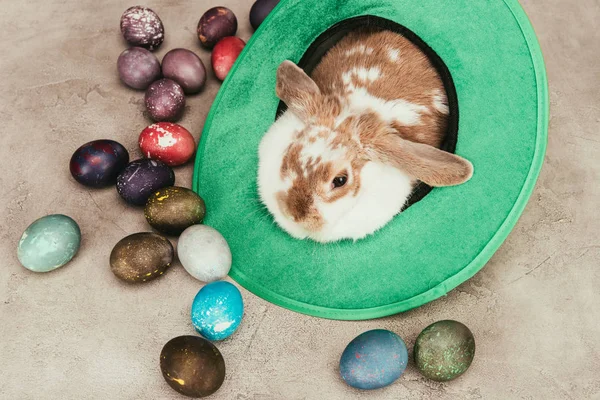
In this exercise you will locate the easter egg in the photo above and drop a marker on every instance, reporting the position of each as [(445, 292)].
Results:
[(141, 257), (184, 67), (168, 142), (165, 100), (217, 310), (444, 350), (98, 163), (204, 253), (172, 210), (373, 360), (141, 178), (224, 55), (215, 24), (48, 243), (192, 366), (260, 10), (138, 67), (142, 27)]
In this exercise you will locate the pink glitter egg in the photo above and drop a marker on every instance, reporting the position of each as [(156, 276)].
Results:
[(167, 142), (165, 100)]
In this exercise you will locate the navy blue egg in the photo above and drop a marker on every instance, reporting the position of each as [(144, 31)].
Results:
[(260, 10), (141, 178), (98, 163), (217, 310), (373, 360)]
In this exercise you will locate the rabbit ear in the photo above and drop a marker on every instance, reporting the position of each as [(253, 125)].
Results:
[(297, 90), (426, 163)]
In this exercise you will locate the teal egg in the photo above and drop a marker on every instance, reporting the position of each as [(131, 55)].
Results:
[(49, 243), (217, 310)]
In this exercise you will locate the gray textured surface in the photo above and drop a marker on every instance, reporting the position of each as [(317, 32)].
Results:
[(79, 333)]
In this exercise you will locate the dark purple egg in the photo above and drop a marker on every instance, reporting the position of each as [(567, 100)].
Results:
[(142, 27), (260, 10), (141, 178), (165, 100), (98, 163), (138, 68), (184, 67), (215, 24)]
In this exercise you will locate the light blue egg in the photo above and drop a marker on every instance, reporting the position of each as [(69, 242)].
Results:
[(217, 310), (373, 360), (49, 243)]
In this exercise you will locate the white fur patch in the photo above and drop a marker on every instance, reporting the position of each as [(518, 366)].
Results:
[(440, 102), (371, 74), (361, 49), (365, 75), (393, 54), (400, 110), (347, 78)]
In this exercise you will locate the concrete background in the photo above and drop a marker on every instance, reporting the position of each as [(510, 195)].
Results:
[(79, 333)]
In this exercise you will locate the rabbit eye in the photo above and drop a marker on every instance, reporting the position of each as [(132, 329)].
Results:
[(339, 181)]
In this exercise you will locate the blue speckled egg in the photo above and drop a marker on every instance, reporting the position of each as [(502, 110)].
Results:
[(217, 310), (48, 243), (373, 360)]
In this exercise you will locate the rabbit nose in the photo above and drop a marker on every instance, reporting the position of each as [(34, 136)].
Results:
[(312, 222)]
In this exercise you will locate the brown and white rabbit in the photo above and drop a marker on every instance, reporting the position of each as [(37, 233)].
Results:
[(342, 161)]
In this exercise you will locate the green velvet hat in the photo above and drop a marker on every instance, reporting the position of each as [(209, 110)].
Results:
[(493, 71)]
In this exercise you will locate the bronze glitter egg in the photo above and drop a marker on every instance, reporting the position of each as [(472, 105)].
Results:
[(444, 350), (172, 210), (193, 366), (141, 257)]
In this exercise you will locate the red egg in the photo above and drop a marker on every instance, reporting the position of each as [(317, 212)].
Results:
[(224, 55), (167, 142)]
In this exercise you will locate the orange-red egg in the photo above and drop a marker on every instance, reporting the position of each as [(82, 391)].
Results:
[(224, 55)]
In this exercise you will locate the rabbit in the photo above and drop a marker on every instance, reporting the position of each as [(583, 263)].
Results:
[(357, 137)]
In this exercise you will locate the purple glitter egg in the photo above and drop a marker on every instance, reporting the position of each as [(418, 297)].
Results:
[(142, 27), (141, 178), (138, 67), (165, 100)]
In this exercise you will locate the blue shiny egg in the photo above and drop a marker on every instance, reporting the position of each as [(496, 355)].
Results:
[(373, 360), (217, 310)]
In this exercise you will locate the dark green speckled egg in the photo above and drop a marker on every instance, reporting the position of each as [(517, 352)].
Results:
[(172, 210), (444, 350), (192, 365), (141, 257)]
